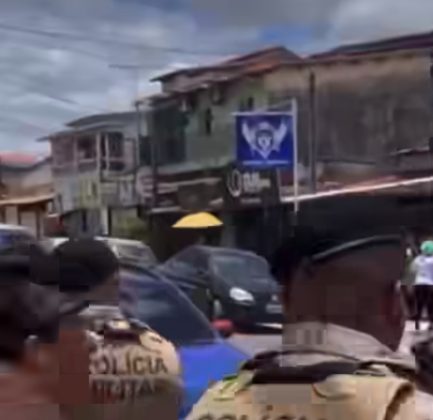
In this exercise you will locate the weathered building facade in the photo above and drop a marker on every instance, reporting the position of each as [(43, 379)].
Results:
[(357, 106), (94, 165)]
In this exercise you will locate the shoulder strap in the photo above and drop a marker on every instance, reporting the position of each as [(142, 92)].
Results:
[(310, 374), (270, 358)]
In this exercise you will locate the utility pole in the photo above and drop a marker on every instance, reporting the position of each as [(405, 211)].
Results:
[(312, 135), (137, 146)]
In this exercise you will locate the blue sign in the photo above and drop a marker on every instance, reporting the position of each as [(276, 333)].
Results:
[(265, 139)]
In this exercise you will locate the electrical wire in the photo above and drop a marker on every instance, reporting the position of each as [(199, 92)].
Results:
[(6, 80), (21, 123), (102, 40)]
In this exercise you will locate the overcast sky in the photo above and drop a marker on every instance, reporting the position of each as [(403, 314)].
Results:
[(60, 59)]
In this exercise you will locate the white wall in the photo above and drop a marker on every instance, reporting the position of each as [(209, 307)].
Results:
[(27, 178)]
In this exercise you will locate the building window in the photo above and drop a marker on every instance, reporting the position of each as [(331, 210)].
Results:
[(247, 104), (86, 148), (112, 150), (63, 151), (208, 121)]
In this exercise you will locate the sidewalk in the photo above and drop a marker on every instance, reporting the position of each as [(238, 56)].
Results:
[(411, 336)]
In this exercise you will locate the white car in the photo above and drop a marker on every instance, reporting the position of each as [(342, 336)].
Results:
[(11, 235), (125, 249)]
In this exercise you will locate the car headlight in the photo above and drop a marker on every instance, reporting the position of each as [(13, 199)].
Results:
[(241, 295)]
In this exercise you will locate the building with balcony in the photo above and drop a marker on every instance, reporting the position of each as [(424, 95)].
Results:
[(94, 163)]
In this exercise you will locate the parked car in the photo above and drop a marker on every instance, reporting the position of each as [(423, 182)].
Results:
[(227, 283), (11, 235), (131, 250), (153, 300), (125, 249)]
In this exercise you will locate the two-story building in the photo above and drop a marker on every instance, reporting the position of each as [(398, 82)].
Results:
[(94, 169)]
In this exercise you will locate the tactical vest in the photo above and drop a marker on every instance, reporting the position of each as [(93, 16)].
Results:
[(132, 371), (338, 390), (131, 363)]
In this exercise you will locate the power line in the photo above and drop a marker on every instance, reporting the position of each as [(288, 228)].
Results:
[(21, 123), (75, 50), (57, 98), (97, 39)]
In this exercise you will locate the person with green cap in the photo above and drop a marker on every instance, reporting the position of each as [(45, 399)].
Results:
[(423, 286)]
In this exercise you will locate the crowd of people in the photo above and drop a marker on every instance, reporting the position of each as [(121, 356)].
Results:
[(339, 358), (417, 284)]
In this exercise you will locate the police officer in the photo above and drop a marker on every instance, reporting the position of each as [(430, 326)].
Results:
[(344, 322), (26, 309), (132, 371)]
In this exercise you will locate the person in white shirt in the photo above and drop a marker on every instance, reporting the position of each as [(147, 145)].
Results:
[(423, 286)]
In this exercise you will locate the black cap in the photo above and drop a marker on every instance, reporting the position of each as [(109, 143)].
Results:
[(339, 225), (82, 265), (74, 266)]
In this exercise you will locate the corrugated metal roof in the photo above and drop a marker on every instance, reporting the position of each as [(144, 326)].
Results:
[(237, 63), (100, 118), (421, 40), (21, 160)]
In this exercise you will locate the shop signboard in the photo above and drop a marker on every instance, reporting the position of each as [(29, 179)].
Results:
[(249, 187)]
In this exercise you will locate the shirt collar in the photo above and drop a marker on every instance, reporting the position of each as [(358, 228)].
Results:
[(333, 338)]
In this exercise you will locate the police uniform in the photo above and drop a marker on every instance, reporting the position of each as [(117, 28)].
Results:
[(134, 373), (115, 369), (323, 373)]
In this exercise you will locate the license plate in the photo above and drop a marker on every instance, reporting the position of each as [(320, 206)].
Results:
[(274, 308)]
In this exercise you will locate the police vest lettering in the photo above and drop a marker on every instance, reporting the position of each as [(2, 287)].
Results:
[(125, 372), (126, 360)]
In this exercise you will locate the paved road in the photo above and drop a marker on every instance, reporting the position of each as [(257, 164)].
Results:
[(254, 343)]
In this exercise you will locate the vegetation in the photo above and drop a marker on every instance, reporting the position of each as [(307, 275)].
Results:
[(132, 228)]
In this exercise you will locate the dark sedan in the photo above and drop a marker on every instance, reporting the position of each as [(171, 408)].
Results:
[(226, 283)]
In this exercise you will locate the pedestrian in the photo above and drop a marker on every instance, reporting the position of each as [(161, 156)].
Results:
[(344, 322), (122, 369), (407, 283), (423, 286)]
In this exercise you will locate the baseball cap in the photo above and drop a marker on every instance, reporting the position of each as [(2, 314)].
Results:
[(341, 227), (82, 265), (427, 247)]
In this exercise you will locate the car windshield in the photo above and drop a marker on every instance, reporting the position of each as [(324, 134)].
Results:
[(136, 252), (239, 266), (164, 308)]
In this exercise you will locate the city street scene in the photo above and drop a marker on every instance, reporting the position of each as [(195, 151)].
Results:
[(216, 210)]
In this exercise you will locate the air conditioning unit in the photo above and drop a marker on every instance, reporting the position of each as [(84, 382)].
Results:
[(188, 103), (217, 95), (184, 105)]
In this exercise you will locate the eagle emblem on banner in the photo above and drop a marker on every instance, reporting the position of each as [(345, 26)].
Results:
[(264, 138)]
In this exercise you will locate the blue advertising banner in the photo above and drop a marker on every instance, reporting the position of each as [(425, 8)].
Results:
[(265, 139)]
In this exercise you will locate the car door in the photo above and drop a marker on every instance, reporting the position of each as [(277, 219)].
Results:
[(183, 270)]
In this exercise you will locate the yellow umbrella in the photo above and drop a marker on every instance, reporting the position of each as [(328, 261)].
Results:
[(198, 221)]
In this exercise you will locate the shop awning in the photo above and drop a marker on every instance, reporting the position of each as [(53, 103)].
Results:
[(26, 200)]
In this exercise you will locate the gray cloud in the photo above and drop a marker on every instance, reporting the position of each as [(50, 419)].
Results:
[(329, 22), (271, 12), (48, 80)]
